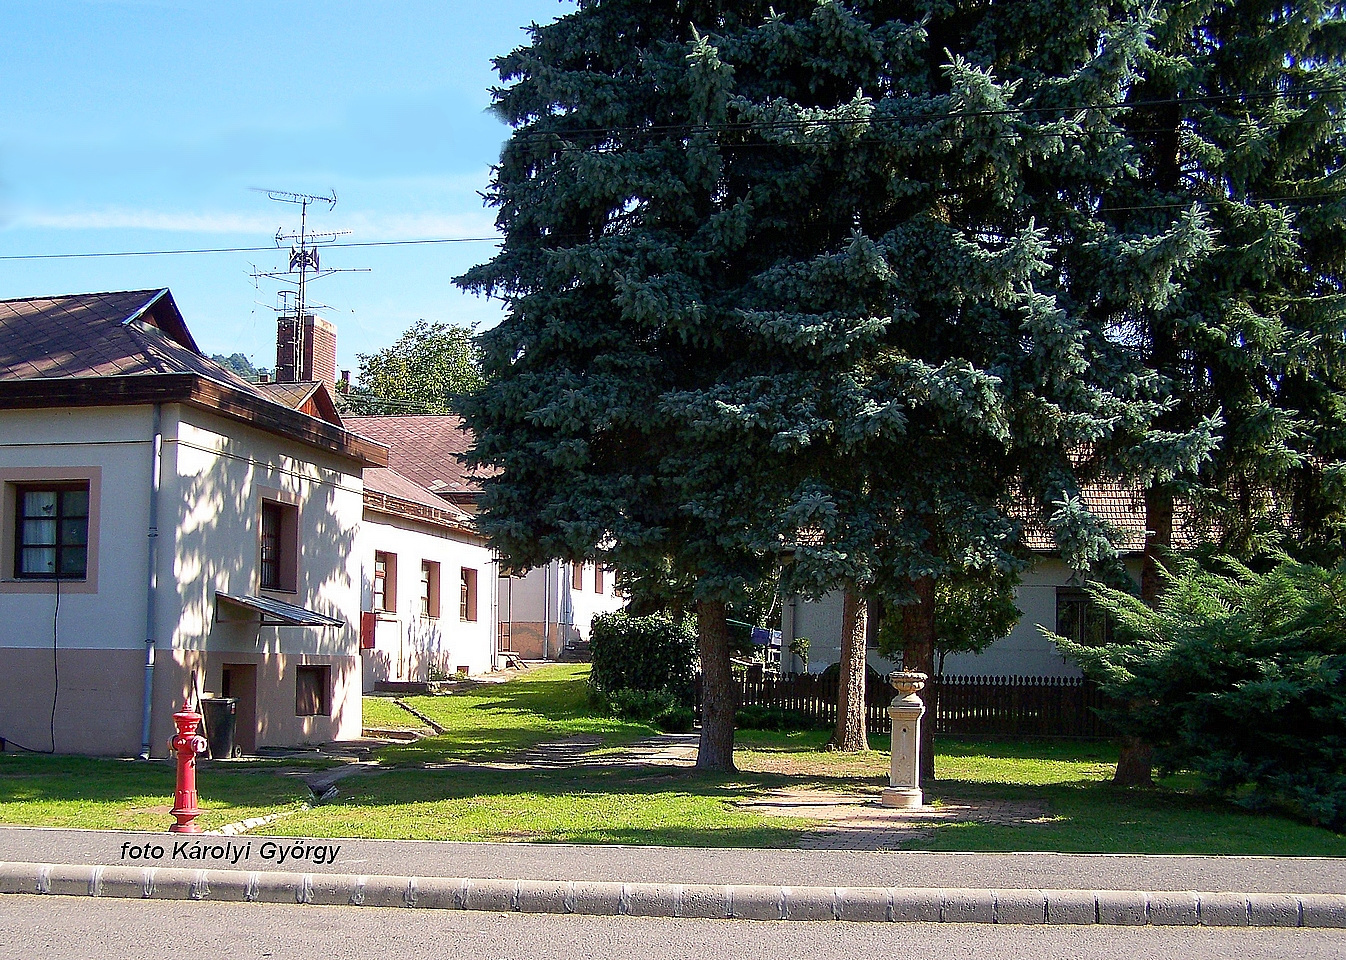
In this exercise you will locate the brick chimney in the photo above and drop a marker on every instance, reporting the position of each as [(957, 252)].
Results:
[(316, 353)]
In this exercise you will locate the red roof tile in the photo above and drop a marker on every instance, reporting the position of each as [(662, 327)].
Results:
[(426, 451), (1118, 505), (390, 483)]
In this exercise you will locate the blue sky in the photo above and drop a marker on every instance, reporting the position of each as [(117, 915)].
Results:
[(142, 124)]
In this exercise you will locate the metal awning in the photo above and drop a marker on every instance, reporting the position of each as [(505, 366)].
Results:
[(274, 613)]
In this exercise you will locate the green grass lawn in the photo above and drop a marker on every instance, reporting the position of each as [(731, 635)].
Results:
[(384, 713), (135, 795), (586, 805), (437, 788), (492, 721), (1070, 780)]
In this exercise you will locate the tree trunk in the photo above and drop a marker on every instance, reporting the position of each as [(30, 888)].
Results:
[(851, 734), (1158, 536), (716, 751), (918, 653), (1135, 765)]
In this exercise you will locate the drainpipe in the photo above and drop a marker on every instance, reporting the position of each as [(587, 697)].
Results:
[(546, 606), (152, 585)]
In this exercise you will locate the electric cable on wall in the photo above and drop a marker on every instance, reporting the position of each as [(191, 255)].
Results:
[(55, 677)]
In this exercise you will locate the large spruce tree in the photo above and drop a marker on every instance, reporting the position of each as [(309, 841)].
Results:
[(1237, 124), (832, 281)]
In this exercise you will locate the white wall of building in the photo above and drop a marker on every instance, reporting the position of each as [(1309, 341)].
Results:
[(547, 595), (223, 471), (116, 443), (214, 473), (1024, 652), (407, 644), (580, 605)]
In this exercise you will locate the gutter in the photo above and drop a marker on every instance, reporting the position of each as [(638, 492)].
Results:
[(152, 583)]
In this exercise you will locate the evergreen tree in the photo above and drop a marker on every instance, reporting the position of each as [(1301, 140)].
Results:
[(1237, 125), (1237, 677), (831, 278)]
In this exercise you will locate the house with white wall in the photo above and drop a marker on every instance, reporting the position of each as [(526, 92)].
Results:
[(167, 527), (548, 609), (1049, 596), (535, 615), (428, 575)]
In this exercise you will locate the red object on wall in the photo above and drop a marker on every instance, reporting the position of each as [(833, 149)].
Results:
[(368, 620)]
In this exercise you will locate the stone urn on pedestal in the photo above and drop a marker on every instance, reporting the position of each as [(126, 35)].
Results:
[(904, 774)]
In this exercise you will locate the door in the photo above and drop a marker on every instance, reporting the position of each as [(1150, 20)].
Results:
[(240, 682)]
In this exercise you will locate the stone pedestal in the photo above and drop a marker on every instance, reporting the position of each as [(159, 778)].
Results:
[(904, 773)]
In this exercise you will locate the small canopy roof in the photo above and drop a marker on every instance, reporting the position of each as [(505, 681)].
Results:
[(275, 613)]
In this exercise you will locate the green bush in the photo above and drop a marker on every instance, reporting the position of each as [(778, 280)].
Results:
[(642, 653), (1238, 678), (657, 707), (755, 717), (833, 672)]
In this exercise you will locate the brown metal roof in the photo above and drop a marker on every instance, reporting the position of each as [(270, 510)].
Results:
[(388, 491), (389, 482), (98, 349), (425, 450), (101, 335), (307, 396)]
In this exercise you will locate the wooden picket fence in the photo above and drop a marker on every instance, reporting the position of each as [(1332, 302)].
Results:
[(961, 706)]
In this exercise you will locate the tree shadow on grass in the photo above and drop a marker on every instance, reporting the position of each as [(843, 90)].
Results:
[(1093, 816)]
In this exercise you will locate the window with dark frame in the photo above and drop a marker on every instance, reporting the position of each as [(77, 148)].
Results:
[(52, 532), (577, 576), (313, 691), (598, 578), (278, 566), (1080, 620), (467, 595), (272, 522)]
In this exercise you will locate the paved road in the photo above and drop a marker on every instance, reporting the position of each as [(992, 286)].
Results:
[(683, 865), (67, 928)]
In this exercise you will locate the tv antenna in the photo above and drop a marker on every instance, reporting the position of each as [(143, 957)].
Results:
[(305, 265)]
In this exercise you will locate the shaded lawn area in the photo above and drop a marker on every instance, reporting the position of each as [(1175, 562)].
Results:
[(103, 794), (1084, 812), (491, 721)]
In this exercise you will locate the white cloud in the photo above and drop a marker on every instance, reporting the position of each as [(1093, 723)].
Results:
[(122, 219), (362, 224)]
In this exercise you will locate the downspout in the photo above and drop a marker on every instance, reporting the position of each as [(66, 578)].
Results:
[(546, 606), (152, 585)]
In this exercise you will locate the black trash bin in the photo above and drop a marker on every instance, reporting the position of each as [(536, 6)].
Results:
[(221, 718)]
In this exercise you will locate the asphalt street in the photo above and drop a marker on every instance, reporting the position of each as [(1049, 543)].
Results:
[(696, 865), (66, 928)]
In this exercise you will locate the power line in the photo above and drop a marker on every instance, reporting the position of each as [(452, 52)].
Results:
[(172, 253)]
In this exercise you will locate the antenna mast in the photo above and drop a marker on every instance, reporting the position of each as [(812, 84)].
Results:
[(305, 264)]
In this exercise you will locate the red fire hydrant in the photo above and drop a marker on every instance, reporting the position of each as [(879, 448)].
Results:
[(187, 744)]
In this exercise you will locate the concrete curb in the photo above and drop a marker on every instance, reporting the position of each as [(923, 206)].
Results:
[(876, 904)]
